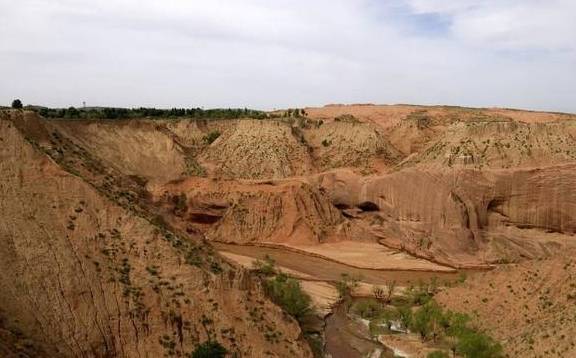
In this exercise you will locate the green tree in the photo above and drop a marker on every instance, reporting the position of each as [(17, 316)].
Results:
[(209, 349), (287, 293), (478, 345), (405, 316), (437, 354), (72, 113), (457, 326), (346, 285), (427, 321), (368, 308), (17, 104)]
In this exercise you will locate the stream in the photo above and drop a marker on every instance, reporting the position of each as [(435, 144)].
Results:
[(331, 271)]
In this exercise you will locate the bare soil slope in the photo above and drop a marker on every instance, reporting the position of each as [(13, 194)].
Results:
[(254, 149), (83, 276)]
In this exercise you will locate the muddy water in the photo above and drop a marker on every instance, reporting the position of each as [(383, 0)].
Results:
[(326, 270)]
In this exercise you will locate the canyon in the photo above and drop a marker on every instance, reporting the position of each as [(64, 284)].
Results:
[(136, 237)]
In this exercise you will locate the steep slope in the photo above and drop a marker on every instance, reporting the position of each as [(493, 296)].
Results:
[(135, 147), (289, 211), (83, 276), (463, 217), (528, 307)]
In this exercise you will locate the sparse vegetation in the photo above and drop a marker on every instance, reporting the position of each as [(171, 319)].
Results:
[(265, 267), (346, 285), (346, 118), (211, 137)]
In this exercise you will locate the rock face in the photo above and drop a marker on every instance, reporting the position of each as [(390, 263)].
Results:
[(83, 276), (465, 217), (243, 212)]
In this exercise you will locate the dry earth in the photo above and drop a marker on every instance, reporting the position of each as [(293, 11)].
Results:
[(107, 226)]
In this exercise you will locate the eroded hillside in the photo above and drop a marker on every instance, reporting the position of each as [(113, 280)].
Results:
[(83, 276), (121, 215)]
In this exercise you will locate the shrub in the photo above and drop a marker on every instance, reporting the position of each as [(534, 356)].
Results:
[(346, 285), (432, 322), (211, 137), (265, 267), (346, 118), (473, 344), (428, 320), (209, 349), (404, 314), (437, 354), (72, 113), (287, 293), (17, 104), (368, 308)]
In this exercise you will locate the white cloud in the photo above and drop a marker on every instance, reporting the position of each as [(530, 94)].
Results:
[(287, 53), (509, 24)]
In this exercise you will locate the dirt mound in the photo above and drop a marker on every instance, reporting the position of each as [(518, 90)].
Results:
[(528, 307), (350, 144), (84, 277), (242, 212), (255, 149), (500, 144)]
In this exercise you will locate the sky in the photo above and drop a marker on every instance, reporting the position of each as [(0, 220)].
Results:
[(288, 53)]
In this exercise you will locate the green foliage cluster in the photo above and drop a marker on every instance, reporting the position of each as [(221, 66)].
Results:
[(283, 290), (209, 349), (379, 313), (434, 323), (124, 113), (287, 293)]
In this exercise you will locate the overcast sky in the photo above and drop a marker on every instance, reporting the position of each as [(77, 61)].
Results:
[(288, 53)]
